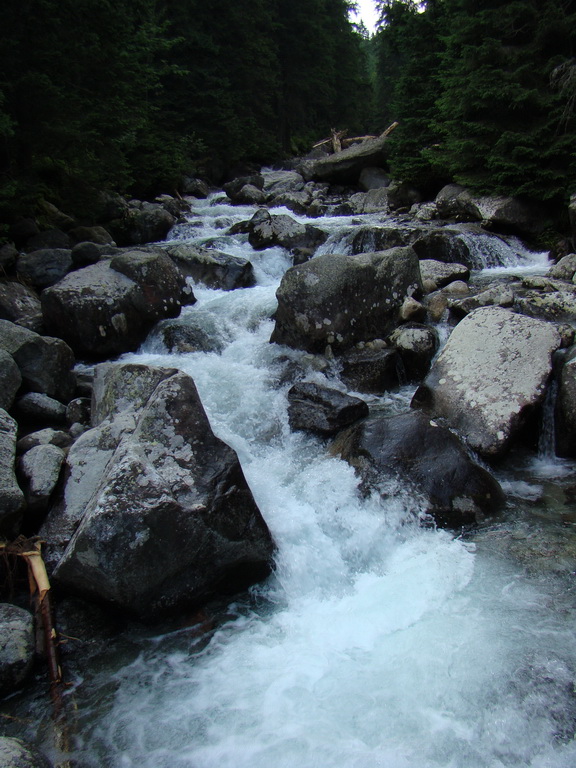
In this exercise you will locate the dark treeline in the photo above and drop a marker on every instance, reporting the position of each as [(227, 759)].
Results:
[(130, 96), (484, 91)]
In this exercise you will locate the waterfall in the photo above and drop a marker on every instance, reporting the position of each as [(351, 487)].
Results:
[(377, 643)]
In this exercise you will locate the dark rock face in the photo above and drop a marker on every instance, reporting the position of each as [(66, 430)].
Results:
[(44, 267), (213, 268), (565, 411), (429, 457), (101, 312), (16, 646), (45, 363), (14, 753), (233, 188), (341, 300), (146, 224), (371, 370), (10, 380), (20, 304), (416, 344), (11, 497), (323, 410), (156, 512)]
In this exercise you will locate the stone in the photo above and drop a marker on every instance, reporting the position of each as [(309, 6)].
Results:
[(266, 230), (38, 407), (101, 312), (346, 166), (195, 187), (370, 370), (78, 411), (419, 451), (41, 268), (156, 513), (565, 408), (490, 377), (46, 436), (22, 230), (160, 281), (499, 295), (40, 467), (412, 310), (16, 646), (48, 239), (565, 269), (11, 496), (148, 223), (373, 178), (436, 305), (194, 334), (20, 304), (96, 235), (298, 202), (321, 409), (556, 306), (10, 380), (416, 344), (340, 300), (250, 195), (211, 267), (14, 753), (402, 195), (46, 364), (8, 256), (234, 187), (456, 288), (443, 273), (281, 182), (85, 253)]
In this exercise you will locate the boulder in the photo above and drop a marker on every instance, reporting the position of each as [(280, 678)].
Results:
[(46, 364), (11, 496), (321, 409), (402, 195), (565, 408), (14, 753), (557, 305), (430, 458), (85, 253), (282, 182), (497, 295), (8, 256), (10, 380), (444, 245), (195, 187), (371, 369), (442, 273), (48, 239), (40, 469), (46, 436), (96, 235), (78, 410), (161, 282), (197, 333), (44, 267), (412, 310), (340, 300), (22, 230), (373, 178), (370, 239), (565, 269), (490, 377), (148, 223), (211, 267), (40, 408), (416, 344), (346, 166), (266, 230), (16, 647), (249, 195), (233, 188), (572, 217), (298, 202), (101, 312), (156, 513), (20, 304)]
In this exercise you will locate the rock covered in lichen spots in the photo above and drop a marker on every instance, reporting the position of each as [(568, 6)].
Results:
[(156, 512), (429, 458), (16, 646), (490, 376), (340, 300)]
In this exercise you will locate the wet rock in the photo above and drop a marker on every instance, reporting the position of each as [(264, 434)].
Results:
[(416, 345), (45, 363), (211, 267), (282, 182), (457, 288), (373, 178), (41, 268), (556, 305), (10, 380), (232, 188), (11, 496), (412, 310), (78, 411), (565, 269), (16, 648), (161, 283), (14, 753), (194, 335), (22, 230), (427, 456), (156, 512), (565, 409), (402, 195), (371, 370), (443, 245), (346, 166), (371, 239), (499, 295), (298, 202), (195, 187), (250, 195), (436, 305), (490, 376), (266, 230), (340, 300), (148, 223), (323, 410)]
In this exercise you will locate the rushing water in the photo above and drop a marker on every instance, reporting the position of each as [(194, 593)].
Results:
[(377, 642)]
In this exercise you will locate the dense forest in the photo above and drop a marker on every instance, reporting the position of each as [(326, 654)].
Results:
[(132, 95)]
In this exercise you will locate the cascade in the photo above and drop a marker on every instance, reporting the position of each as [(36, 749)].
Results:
[(376, 642)]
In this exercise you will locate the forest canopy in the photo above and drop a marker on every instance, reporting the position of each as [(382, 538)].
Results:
[(131, 96)]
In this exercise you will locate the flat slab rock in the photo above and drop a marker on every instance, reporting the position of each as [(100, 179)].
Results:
[(493, 370)]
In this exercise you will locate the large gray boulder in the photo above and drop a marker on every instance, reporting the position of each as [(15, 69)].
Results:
[(430, 458), (346, 166), (14, 753), (340, 300), (266, 230), (441, 273), (45, 363), (211, 267), (102, 312), (40, 468), (16, 647), (282, 182), (490, 377), (44, 267), (148, 223), (416, 344), (156, 512), (11, 496)]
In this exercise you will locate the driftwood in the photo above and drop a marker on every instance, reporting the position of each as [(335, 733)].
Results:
[(338, 142)]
